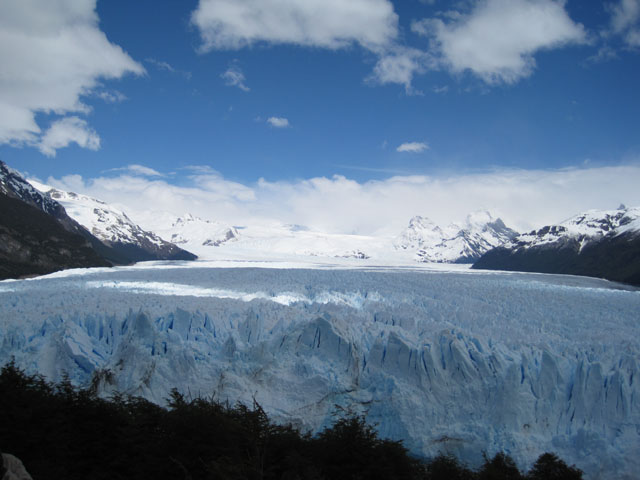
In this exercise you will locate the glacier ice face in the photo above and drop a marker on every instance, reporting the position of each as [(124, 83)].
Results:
[(458, 362)]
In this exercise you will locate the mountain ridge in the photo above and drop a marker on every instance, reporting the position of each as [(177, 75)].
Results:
[(37, 236), (113, 227), (596, 243), (454, 243)]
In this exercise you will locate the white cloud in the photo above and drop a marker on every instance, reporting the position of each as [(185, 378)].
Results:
[(633, 38), (625, 14), (497, 40), (201, 169), (625, 21), (65, 131), (167, 67), (524, 199), (278, 122), (136, 169), (113, 96), (604, 54), (233, 24), (234, 77), (52, 53), (160, 64), (330, 24), (413, 147), (400, 66)]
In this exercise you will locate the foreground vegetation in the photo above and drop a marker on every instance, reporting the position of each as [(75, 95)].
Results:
[(62, 432)]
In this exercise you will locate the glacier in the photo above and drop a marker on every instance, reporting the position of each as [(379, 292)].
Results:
[(454, 361)]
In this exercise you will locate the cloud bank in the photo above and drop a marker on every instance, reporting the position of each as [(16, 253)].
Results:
[(327, 24), (494, 39), (52, 54), (525, 199)]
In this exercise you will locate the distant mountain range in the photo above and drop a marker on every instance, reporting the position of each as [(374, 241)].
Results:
[(421, 241), (194, 233), (454, 243), (44, 229), (597, 243)]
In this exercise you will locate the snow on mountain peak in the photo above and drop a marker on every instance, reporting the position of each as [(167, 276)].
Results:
[(187, 218), (194, 233), (586, 227), (13, 184), (105, 222), (631, 221), (419, 222), (110, 225), (454, 244), (421, 232)]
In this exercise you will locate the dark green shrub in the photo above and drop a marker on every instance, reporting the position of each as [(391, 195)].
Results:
[(59, 431), (550, 467), (500, 467), (447, 467)]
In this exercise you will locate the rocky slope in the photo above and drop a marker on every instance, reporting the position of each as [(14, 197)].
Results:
[(34, 243), (36, 234), (114, 228), (597, 243)]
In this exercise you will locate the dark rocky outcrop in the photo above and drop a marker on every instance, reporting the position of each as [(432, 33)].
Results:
[(33, 242)]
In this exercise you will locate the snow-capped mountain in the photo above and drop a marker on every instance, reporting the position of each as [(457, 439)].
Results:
[(263, 241), (14, 185), (448, 362), (583, 229), (423, 233), (113, 227), (601, 243), (283, 240), (454, 243), (192, 233), (36, 234), (422, 241)]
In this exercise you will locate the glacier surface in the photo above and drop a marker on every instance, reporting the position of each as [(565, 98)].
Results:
[(448, 361)]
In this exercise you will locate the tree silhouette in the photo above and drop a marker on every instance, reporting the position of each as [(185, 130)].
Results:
[(550, 467), (500, 467), (60, 431)]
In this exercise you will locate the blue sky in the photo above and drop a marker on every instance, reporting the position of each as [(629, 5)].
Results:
[(296, 91)]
